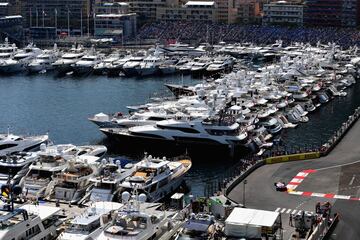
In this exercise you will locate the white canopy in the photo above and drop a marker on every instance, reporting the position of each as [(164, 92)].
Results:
[(244, 222), (246, 216)]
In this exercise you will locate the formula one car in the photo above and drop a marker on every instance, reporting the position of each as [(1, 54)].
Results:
[(280, 186)]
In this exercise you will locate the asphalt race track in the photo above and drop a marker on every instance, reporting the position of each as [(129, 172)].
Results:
[(336, 178)]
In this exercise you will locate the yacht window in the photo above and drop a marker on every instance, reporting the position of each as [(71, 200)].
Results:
[(147, 135), (69, 57), (186, 130), (5, 146), (81, 153), (156, 118), (19, 57), (88, 59)]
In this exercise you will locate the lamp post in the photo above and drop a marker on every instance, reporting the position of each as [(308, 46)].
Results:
[(244, 183)]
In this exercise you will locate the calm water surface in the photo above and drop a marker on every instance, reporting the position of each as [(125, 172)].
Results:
[(42, 103)]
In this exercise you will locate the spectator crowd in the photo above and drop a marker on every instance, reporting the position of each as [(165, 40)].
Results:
[(216, 32)]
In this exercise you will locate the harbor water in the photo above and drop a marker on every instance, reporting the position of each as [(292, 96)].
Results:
[(60, 106)]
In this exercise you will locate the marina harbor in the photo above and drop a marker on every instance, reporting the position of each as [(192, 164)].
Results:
[(179, 141)]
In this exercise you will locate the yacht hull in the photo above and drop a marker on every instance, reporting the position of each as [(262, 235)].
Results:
[(63, 69), (114, 71), (195, 147), (82, 70), (11, 69)]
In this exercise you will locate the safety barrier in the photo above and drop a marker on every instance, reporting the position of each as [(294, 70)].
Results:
[(292, 157), (340, 133), (231, 185)]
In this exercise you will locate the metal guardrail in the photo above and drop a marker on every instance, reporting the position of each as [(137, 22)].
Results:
[(340, 133)]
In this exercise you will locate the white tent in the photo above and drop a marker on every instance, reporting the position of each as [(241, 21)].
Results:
[(244, 222)]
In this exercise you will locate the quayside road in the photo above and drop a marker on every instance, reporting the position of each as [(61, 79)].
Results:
[(334, 178)]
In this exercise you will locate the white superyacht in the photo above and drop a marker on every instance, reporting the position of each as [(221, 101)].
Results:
[(88, 225), (156, 177)]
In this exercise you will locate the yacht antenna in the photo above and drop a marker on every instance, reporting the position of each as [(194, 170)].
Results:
[(8, 130)]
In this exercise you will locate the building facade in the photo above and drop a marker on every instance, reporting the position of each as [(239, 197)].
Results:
[(248, 11), (146, 9), (326, 13), (12, 27), (190, 11), (116, 26), (75, 16), (283, 13)]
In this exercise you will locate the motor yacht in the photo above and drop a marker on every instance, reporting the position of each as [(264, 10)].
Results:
[(44, 62), (156, 178), (50, 160), (13, 167), (86, 64), (103, 66), (7, 51), (200, 66), (36, 182), (20, 60), (71, 183), (106, 182), (183, 132), (88, 224), (115, 68), (149, 66), (64, 64), (272, 125), (137, 220), (30, 222), (168, 67), (130, 67), (11, 143), (220, 64)]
